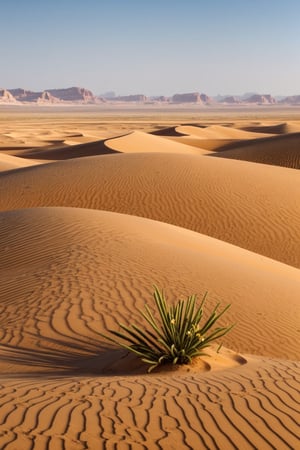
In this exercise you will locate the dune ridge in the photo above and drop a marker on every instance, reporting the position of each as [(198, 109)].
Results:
[(222, 198), (281, 150)]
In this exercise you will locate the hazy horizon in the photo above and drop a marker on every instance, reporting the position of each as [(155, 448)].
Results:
[(157, 48)]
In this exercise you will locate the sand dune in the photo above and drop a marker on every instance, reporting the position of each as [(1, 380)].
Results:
[(278, 128), (217, 132), (68, 152), (69, 270), (139, 142), (212, 137), (67, 274), (135, 142), (282, 150), (222, 198), (9, 162)]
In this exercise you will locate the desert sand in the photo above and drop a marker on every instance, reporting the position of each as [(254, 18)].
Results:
[(95, 208)]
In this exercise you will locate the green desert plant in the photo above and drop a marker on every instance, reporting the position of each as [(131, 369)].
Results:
[(177, 337)]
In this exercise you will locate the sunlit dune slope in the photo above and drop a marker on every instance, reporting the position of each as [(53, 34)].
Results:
[(212, 137), (68, 274), (9, 162), (254, 206), (217, 132), (135, 142), (281, 150), (139, 142)]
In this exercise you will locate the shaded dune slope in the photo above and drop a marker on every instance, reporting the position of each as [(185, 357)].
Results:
[(279, 128), (252, 206), (213, 137), (282, 150), (69, 152), (217, 132), (134, 142)]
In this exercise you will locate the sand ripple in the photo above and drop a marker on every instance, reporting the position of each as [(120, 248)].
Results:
[(254, 406)]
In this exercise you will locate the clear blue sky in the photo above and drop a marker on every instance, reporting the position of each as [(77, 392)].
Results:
[(152, 47)]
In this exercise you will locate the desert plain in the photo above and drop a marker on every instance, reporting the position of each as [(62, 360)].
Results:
[(96, 206)]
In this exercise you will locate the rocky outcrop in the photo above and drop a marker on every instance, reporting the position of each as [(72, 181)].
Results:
[(130, 98), (20, 94), (206, 99), (46, 97), (266, 99), (6, 97), (74, 95), (52, 96), (291, 100), (231, 100), (25, 96), (192, 97)]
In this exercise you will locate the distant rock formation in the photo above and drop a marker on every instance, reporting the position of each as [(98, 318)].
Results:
[(74, 94), (130, 98), (160, 99), (69, 95), (20, 94), (291, 100), (6, 97), (82, 96), (33, 97), (231, 100), (191, 97), (46, 97), (266, 99), (206, 99), (108, 95)]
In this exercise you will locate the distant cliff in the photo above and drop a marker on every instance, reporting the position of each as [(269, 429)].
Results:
[(81, 96), (52, 96)]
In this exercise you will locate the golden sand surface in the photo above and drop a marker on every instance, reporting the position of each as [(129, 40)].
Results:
[(96, 206)]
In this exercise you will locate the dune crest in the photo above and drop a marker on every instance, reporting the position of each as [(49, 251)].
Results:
[(281, 150), (222, 198), (139, 142)]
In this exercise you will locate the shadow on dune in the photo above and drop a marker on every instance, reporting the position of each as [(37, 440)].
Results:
[(70, 152), (82, 358), (281, 128), (86, 358), (170, 131), (280, 139)]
